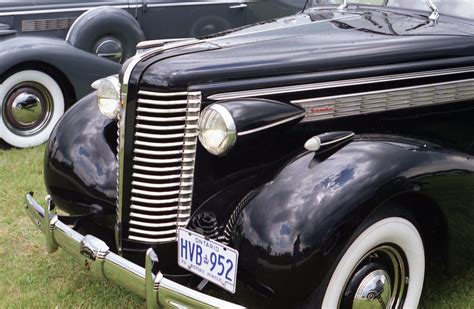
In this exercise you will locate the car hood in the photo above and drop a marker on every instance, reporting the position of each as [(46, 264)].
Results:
[(316, 40)]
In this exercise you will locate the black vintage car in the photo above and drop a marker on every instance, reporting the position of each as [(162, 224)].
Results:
[(49, 48), (319, 160)]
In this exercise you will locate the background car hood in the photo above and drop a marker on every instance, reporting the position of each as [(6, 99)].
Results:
[(316, 40)]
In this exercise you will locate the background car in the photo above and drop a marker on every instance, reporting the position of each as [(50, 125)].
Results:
[(41, 76), (329, 154)]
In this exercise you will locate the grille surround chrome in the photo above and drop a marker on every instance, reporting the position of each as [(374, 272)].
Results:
[(162, 176)]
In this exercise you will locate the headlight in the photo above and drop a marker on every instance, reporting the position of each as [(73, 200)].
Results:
[(108, 96), (217, 131)]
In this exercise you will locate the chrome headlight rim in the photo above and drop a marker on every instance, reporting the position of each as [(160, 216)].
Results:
[(231, 129), (113, 107)]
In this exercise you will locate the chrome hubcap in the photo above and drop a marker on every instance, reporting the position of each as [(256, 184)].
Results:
[(374, 291), (27, 108), (109, 48), (378, 281)]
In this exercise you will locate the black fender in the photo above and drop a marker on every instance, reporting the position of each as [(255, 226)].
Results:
[(102, 23), (291, 234), (72, 66), (80, 170)]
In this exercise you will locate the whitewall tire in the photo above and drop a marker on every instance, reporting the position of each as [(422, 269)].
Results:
[(388, 240), (31, 103)]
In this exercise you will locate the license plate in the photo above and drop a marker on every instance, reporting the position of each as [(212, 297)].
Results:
[(208, 259)]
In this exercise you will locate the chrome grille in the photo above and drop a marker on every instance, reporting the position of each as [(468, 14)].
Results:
[(164, 151)]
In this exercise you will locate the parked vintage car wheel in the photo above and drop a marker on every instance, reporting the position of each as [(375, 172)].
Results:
[(377, 267), (31, 104), (108, 32)]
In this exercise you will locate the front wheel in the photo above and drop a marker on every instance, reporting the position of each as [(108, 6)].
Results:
[(31, 103), (382, 268)]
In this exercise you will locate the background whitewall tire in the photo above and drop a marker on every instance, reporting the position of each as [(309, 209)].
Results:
[(31, 103)]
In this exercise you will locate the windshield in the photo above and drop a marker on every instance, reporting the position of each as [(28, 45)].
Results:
[(461, 8)]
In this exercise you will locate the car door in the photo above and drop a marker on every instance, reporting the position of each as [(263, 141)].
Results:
[(162, 19)]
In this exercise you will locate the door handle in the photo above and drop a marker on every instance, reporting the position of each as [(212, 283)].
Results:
[(238, 6)]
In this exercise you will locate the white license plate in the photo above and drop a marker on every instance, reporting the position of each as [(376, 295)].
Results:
[(208, 259)]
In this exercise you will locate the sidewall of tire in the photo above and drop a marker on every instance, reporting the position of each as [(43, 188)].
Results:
[(395, 230), (58, 109), (102, 22)]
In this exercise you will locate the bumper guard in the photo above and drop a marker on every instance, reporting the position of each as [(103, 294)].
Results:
[(97, 258)]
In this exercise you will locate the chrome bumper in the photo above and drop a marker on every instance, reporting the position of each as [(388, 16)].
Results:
[(95, 255)]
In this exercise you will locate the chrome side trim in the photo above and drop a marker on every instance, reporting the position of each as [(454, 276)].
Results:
[(129, 6), (336, 84), (61, 10), (198, 3), (277, 123), (384, 100)]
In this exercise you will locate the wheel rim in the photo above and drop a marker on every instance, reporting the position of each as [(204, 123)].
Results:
[(27, 108), (109, 48), (378, 281)]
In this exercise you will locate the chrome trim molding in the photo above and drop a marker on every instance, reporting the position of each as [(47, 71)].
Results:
[(61, 10), (214, 2), (160, 42), (129, 6), (336, 84), (271, 125), (98, 260), (384, 100)]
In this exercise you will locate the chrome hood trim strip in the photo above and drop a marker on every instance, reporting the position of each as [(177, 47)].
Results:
[(386, 100), (336, 84)]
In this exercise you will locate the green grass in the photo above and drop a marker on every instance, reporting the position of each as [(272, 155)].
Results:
[(30, 277)]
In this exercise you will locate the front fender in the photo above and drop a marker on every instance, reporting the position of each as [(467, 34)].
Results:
[(80, 166), (80, 67), (292, 233)]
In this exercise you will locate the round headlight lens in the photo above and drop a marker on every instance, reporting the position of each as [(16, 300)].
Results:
[(108, 96), (217, 131)]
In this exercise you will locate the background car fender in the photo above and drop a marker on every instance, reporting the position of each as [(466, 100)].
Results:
[(297, 225), (106, 31), (73, 67)]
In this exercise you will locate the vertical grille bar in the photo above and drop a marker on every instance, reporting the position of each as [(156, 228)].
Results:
[(164, 152)]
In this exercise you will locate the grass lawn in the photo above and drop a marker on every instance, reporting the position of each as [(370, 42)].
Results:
[(29, 277)]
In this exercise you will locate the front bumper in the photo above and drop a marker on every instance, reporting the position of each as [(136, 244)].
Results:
[(97, 258)]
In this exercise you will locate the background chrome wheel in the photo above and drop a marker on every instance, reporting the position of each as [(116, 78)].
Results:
[(109, 48), (31, 102), (382, 268), (27, 108)]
